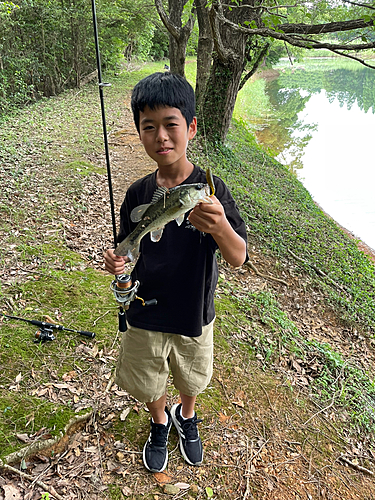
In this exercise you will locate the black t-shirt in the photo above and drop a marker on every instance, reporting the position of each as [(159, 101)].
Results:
[(180, 270)]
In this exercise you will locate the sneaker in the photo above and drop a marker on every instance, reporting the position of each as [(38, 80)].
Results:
[(155, 452), (190, 442)]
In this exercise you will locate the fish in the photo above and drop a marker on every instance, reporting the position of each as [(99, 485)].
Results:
[(166, 205)]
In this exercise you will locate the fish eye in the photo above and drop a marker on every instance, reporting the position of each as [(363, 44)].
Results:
[(199, 186)]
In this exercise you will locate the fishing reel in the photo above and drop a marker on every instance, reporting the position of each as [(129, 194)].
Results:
[(44, 335), (125, 291)]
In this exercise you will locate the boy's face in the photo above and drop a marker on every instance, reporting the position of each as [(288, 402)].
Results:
[(165, 135)]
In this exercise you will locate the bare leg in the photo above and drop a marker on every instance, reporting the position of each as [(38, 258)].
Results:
[(188, 402), (156, 408)]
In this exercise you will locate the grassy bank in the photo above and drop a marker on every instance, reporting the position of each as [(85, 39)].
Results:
[(55, 224)]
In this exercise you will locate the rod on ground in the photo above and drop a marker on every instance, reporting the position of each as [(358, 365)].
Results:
[(43, 324)]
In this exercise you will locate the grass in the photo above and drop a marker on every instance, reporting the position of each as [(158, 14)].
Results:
[(280, 216)]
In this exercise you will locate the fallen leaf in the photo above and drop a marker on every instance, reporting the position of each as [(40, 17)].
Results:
[(223, 418), (209, 492), (183, 486), (18, 378), (11, 492), (23, 437), (126, 491), (124, 414), (162, 478)]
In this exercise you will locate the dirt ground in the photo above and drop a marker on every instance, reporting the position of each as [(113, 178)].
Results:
[(263, 437)]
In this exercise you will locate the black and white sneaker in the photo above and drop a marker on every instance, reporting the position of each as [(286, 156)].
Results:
[(155, 452), (190, 442)]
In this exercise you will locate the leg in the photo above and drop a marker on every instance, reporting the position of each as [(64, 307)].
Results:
[(188, 403), (156, 408)]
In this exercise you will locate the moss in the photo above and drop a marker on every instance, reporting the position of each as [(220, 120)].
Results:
[(24, 414)]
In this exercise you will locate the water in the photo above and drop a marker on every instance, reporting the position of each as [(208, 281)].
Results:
[(324, 129)]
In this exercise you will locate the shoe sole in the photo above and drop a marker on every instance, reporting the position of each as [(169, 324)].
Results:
[(182, 450)]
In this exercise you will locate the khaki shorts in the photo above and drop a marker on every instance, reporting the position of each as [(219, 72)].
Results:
[(146, 358)]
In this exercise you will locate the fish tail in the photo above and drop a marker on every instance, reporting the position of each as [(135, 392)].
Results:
[(128, 248)]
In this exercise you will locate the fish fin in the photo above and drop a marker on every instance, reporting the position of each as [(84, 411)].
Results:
[(156, 235), (127, 249), (180, 219), (137, 212), (159, 193)]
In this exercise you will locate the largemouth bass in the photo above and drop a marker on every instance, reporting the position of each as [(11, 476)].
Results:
[(166, 205)]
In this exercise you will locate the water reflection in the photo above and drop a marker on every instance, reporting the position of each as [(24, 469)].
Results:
[(322, 127), (288, 133)]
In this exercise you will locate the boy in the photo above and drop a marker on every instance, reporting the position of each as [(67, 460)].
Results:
[(180, 271)]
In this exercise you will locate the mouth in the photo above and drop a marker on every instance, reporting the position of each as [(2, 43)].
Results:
[(163, 151)]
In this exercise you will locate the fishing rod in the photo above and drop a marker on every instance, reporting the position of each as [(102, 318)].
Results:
[(45, 332), (124, 290), (101, 86)]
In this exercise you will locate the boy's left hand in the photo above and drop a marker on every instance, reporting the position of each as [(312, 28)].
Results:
[(208, 217)]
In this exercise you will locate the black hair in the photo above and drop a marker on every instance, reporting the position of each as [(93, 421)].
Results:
[(163, 89)]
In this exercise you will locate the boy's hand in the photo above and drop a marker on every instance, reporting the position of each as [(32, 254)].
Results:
[(209, 217), (114, 264)]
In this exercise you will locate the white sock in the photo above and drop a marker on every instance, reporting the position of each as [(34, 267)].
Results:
[(185, 418), (166, 420)]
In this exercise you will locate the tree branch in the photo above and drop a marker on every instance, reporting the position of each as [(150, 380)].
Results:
[(319, 29), (222, 52), (256, 65), (360, 4), (173, 30), (355, 58), (295, 29)]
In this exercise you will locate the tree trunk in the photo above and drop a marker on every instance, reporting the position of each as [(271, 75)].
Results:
[(204, 52), (178, 34), (220, 98)]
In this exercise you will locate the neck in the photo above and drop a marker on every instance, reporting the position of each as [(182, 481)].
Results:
[(171, 178)]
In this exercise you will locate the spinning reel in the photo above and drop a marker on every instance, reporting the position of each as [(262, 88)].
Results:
[(125, 291)]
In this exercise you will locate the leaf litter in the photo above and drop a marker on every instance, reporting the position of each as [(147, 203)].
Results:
[(258, 442)]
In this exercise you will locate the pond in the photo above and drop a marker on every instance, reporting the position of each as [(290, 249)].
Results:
[(322, 125)]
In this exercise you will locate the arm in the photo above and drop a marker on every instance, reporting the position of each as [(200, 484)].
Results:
[(211, 219)]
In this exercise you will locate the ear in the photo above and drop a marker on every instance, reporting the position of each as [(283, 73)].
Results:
[(192, 128)]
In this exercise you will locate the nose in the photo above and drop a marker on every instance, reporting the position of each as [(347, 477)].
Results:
[(162, 134)]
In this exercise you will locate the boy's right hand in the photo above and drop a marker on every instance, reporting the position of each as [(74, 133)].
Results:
[(115, 264)]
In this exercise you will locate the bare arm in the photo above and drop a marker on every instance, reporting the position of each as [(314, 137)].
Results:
[(211, 219)]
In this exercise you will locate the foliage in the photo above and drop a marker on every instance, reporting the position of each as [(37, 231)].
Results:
[(47, 47)]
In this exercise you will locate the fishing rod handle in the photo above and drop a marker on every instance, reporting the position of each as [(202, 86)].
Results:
[(91, 335)]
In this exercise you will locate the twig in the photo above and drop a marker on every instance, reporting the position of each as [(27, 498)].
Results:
[(268, 399), (50, 489), (320, 411), (43, 445), (110, 383), (355, 466), (100, 317), (318, 271), (267, 276)]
